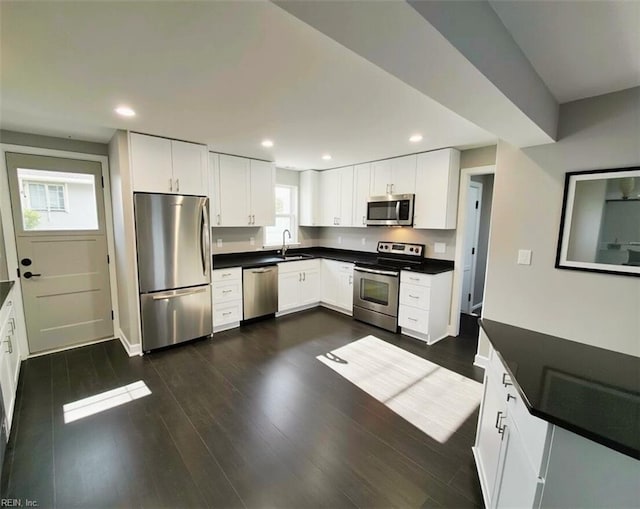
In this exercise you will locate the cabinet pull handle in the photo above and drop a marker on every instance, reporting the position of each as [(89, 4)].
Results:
[(218, 220), (226, 313), (505, 382), (171, 185), (8, 341), (510, 397), (178, 185), (254, 219), (364, 220), (299, 277), (498, 419), (249, 218), (304, 276), (226, 274), (414, 296), (226, 291), (350, 280), (412, 319)]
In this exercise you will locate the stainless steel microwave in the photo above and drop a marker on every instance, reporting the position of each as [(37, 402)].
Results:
[(390, 210)]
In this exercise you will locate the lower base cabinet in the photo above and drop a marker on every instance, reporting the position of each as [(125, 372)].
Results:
[(9, 360), (227, 298), (337, 285), (298, 285), (526, 462)]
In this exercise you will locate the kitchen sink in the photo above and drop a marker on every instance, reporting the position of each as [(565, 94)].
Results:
[(296, 257)]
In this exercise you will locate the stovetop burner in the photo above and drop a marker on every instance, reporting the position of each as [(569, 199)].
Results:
[(397, 256)]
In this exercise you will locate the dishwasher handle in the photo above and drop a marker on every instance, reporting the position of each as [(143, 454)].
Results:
[(262, 271)]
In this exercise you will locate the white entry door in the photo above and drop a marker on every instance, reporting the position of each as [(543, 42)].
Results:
[(59, 220), (472, 227)]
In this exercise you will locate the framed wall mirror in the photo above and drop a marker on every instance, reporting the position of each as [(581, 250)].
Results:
[(600, 225)]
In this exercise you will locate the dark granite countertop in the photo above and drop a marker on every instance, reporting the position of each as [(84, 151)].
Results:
[(262, 258), (590, 391), (5, 288)]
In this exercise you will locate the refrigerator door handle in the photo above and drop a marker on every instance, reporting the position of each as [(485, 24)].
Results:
[(174, 294), (203, 255)]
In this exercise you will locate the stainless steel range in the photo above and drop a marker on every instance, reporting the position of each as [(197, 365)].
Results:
[(377, 285)]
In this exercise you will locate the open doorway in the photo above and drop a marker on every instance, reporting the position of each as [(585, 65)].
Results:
[(472, 246)]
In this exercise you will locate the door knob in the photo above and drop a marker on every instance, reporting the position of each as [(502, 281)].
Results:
[(26, 262), (29, 275)]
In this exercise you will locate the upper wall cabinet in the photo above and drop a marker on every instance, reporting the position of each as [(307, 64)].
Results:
[(361, 193), (437, 180), (336, 197), (309, 203), (242, 192), (394, 176), (161, 165)]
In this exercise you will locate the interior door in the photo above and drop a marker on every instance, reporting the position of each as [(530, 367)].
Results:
[(59, 220), (470, 244)]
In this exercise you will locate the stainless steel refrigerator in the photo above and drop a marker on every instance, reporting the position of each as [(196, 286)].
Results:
[(174, 268)]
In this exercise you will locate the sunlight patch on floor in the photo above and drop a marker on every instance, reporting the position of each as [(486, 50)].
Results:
[(104, 401), (432, 398)]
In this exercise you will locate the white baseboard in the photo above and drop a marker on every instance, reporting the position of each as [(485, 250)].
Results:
[(422, 337), (226, 326), (347, 312), (295, 310), (132, 350), (72, 347), (480, 361)]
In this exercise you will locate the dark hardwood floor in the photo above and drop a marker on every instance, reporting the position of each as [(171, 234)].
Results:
[(249, 419)]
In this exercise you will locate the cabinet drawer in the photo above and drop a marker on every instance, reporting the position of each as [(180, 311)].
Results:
[(414, 295), (415, 278), (226, 292), (227, 313), (231, 274), (413, 318)]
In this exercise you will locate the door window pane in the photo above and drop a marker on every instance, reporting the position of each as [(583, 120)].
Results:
[(55, 200)]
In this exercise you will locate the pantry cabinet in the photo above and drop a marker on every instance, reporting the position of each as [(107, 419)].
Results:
[(394, 176), (242, 191), (161, 165), (437, 181)]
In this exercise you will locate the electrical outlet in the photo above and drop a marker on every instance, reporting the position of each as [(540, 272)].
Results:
[(219, 243), (252, 241), (524, 257), (364, 241), (440, 247)]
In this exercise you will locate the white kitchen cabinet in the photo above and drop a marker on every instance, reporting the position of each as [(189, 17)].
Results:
[(298, 285), (243, 191), (361, 193), (423, 312), (161, 165), (337, 285), (262, 193), (309, 206), (226, 295), (336, 197), (511, 445), (9, 359), (394, 176), (437, 181)]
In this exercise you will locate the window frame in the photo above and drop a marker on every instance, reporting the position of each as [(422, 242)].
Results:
[(47, 185), (292, 215)]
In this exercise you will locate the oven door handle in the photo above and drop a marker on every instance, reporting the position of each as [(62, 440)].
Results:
[(374, 271)]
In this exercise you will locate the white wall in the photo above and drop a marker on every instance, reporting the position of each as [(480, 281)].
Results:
[(597, 309), (123, 220)]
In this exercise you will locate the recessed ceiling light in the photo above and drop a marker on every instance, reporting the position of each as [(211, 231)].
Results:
[(125, 111), (267, 143), (326, 157), (415, 138)]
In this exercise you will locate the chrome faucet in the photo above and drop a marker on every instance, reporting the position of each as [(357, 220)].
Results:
[(284, 246)]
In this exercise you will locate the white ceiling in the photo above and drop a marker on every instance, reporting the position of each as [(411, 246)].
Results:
[(579, 48), (226, 74)]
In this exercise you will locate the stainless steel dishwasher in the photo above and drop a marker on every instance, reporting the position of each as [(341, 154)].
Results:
[(260, 291)]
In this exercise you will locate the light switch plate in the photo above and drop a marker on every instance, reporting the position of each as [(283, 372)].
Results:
[(219, 243), (440, 247), (524, 257)]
